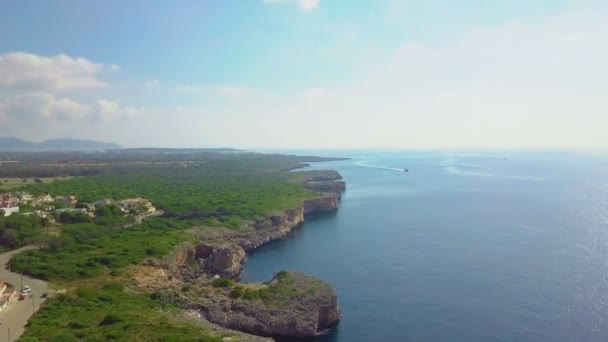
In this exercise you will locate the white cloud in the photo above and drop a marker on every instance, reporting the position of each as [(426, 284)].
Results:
[(304, 5), (109, 110), (152, 84), (24, 71), (308, 5), (516, 86), (42, 106)]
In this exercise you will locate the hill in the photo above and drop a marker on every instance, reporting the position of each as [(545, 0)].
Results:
[(16, 144)]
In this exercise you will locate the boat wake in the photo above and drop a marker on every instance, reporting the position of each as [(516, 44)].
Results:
[(380, 167)]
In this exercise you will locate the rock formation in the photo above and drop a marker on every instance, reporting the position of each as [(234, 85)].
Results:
[(292, 304)]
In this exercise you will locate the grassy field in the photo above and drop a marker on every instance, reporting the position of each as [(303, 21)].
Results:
[(14, 183)]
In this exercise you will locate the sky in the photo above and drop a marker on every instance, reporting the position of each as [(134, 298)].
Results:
[(404, 74)]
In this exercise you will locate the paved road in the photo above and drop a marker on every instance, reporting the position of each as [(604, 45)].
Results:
[(15, 317)]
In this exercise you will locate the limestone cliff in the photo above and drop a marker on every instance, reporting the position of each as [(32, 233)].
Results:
[(336, 187), (291, 304), (223, 252)]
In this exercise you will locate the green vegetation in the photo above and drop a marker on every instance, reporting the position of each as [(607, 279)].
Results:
[(19, 230), (108, 313), (86, 250), (224, 192), (289, 285), (223, 282), (11, 183), (206, 190)]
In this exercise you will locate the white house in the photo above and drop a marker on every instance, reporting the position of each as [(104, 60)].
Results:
[(9, 210), (137, 204)]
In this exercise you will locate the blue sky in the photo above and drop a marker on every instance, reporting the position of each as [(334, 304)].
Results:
[(307, 73)]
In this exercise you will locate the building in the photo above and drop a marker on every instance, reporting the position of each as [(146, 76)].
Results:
[(105, 201), (7, 295), (24, 196), (40, 213), (42, 199), (69, 200), (87, 206), (140, 205), (9, 210), (8, 199)]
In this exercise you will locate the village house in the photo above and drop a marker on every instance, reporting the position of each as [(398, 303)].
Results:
[(9, 204), (87, 206), (137, 204), (70, 200), (7, 295), (24, 196), (40, 213), (7, 211), (105, 201), (42, 199), (8, 199)]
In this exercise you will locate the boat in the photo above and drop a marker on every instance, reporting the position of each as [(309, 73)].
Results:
[(406, 170)]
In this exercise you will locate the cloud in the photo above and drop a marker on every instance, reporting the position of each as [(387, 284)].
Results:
[(304, 5), (109, 110), (43, 106), (520, 85), (308, 5), (152, 84), (26, 71)]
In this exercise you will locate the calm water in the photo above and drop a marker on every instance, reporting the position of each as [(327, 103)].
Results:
[(464, 247)]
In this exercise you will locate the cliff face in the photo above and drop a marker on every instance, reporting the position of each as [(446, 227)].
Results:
[(292, 304), (225, 256), (297, 305), (336, 187), (225, 259), (322, 204)]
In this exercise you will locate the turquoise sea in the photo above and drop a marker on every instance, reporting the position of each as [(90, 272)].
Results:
[(467, 246)]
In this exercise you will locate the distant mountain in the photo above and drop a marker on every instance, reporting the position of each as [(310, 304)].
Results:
[(18, 145)]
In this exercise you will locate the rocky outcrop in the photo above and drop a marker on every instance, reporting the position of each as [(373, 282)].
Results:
[(224, 259), (336, 188), (291, 304), (319, 176), (321, 204)]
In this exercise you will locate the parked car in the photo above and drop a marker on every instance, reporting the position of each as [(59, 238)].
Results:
[(44, 295), (22, 296)]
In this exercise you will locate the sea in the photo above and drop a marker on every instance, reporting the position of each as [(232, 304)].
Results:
[(466, 246)]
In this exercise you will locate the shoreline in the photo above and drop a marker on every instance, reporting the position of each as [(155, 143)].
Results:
[(224, 255)]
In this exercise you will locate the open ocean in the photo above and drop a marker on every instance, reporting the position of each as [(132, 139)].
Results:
[(467, 246)]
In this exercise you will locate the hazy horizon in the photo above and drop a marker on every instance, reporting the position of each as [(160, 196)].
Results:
[(308, 74)]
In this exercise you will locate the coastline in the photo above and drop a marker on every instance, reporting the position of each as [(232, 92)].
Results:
[(222, 255)]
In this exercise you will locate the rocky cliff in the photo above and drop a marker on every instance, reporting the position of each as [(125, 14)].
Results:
[(289, 305), (225, 254)]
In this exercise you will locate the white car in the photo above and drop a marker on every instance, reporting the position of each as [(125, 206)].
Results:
[(26, 290)]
